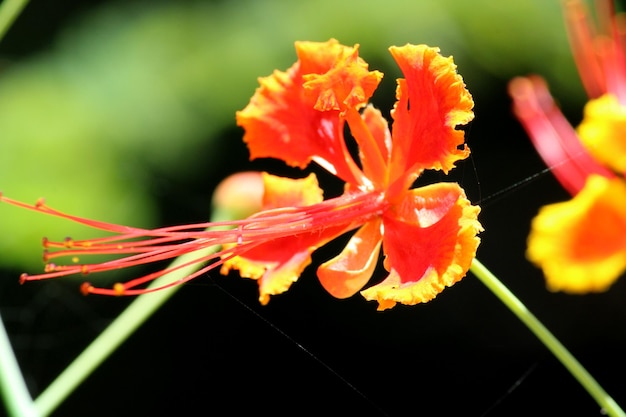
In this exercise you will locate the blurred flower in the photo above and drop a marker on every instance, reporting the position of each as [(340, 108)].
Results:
[(581, 244), (428, 234)]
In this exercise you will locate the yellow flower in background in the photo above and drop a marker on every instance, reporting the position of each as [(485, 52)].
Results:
[(603, 131), (581, 244)]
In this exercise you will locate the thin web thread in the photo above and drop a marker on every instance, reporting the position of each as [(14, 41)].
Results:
[(510, 391), (497, 195), (305, 350), (488, 200)]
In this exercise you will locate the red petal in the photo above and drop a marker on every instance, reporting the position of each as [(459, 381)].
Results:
[(335, 77), (344, 275), (429, 242), (432, 102), (281, 122), (377, 126), (278, 263)]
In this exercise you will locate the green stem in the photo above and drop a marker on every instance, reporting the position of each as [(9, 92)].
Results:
[(124, 325), (609, 406), (128, 321), (121, 328), (113, 336), (9, 10), (16, 397)]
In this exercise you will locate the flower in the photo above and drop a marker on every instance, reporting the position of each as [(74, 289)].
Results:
[(428, 234), (580, 243)]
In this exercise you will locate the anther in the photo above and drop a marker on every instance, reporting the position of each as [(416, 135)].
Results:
[(50, 267), (40, 202), (86, 288), (23, 278), (119, 289)]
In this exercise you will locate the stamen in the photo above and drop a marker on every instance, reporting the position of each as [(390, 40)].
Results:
[(146, 246), (239, 235), (553, 136), (86, 288), (582, 33), (615, 65), (118, 288)]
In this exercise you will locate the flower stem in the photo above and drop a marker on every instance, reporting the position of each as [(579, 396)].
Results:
[(113, 336), (121, 328), (9, 11), (609, 406), (13, 389), (15, 394)]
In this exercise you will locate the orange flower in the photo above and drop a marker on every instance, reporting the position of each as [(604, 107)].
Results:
[(579, 243), (428, 234)]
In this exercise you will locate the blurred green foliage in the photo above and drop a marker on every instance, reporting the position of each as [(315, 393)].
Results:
[(138, 84)]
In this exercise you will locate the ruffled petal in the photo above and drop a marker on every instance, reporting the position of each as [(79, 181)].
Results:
[(278, 263), (430, 239), (603, 131), (344, 275), (340, 79), (432, 102), (281, 122), (280, 192), (581, 244)]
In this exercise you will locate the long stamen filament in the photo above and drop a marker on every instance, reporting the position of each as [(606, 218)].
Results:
[(144, 246)]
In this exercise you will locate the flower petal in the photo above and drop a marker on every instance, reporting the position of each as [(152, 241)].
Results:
[(280, 192), (342, 81), (430, 239), (379, 129), (603, 131), (280, 122), (278, 263), (344, 275), (432, 102), (580, 244)]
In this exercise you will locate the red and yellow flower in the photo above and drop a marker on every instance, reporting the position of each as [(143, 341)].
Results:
[(580, 244), (428, 234)]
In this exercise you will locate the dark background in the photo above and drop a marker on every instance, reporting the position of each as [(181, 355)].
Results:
[(213, 350)]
